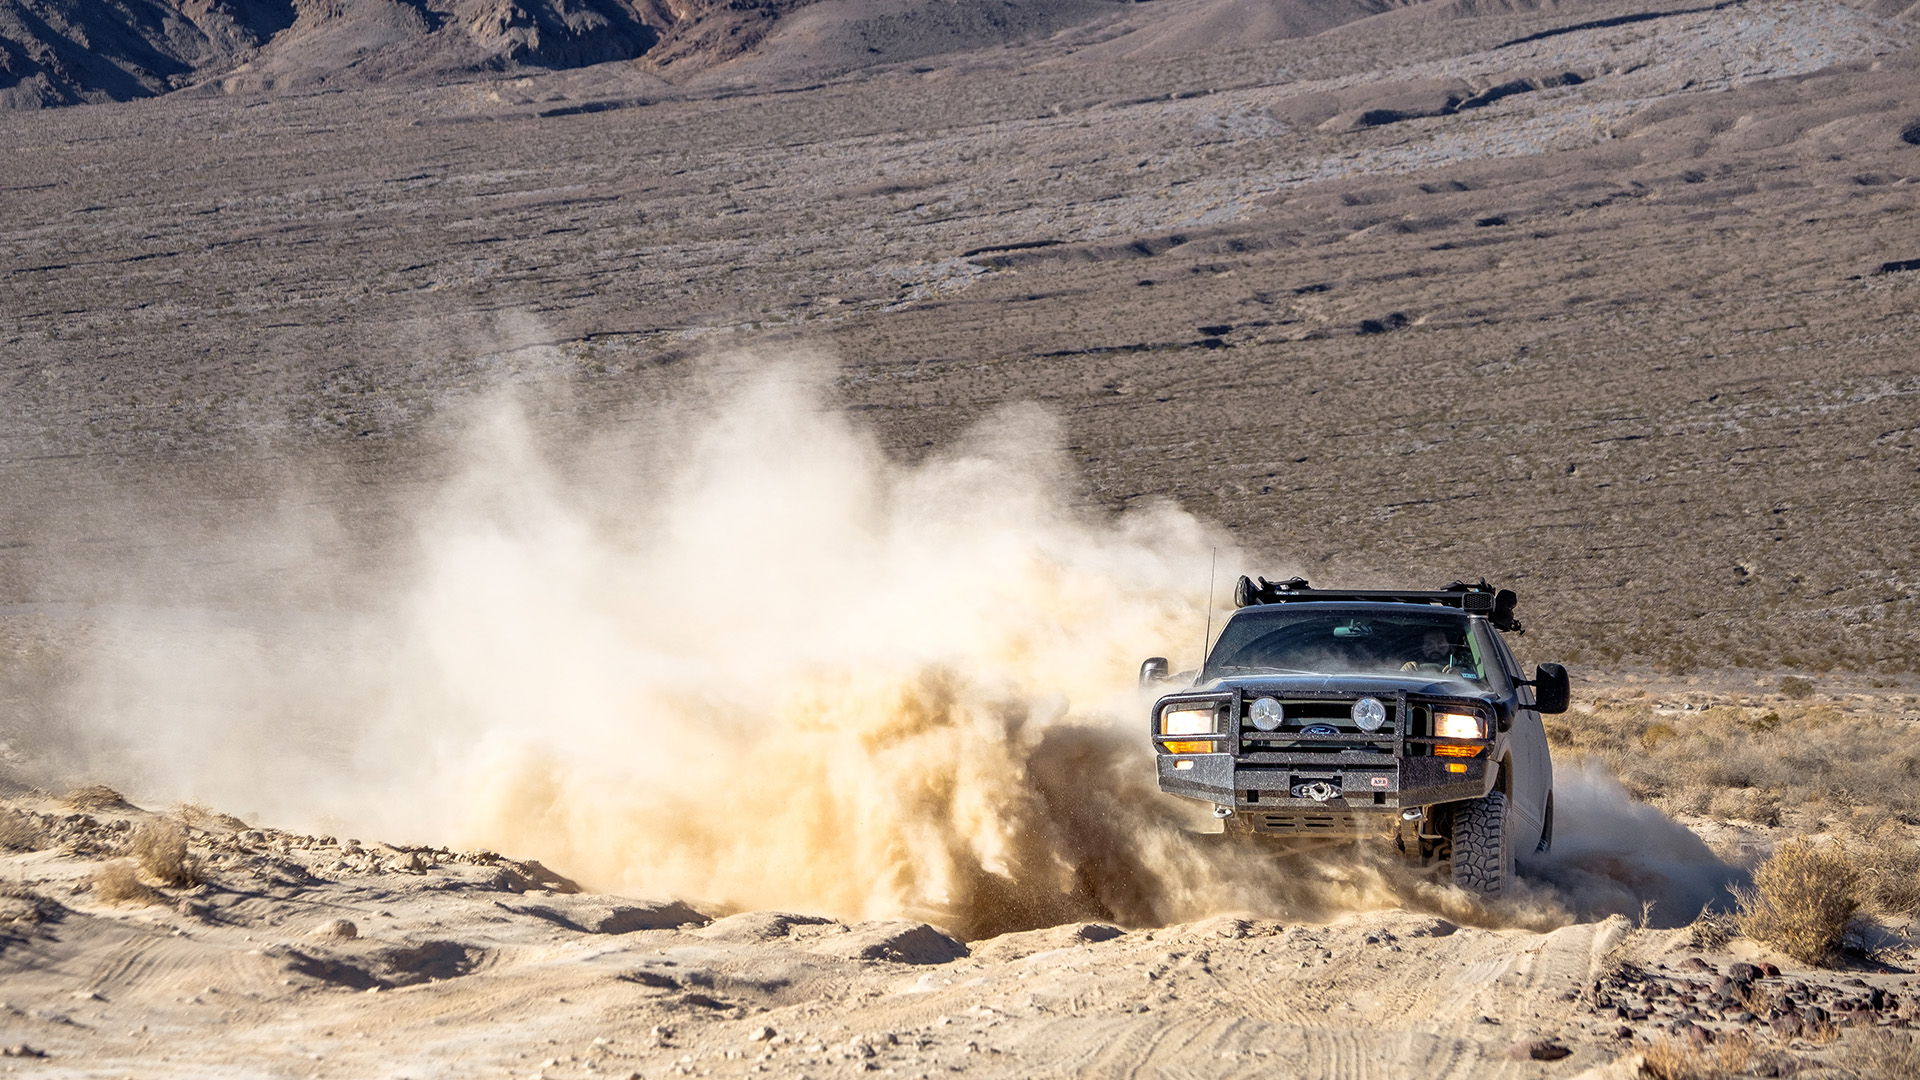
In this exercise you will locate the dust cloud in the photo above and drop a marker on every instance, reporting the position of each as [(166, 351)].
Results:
[(746, 658), (743, 658), (1614, 856)]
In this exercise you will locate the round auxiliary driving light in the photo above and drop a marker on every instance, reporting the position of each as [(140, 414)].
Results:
[(1369, 714), (1266, 714)]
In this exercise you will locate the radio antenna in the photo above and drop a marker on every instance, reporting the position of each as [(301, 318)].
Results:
[(1207, 638)]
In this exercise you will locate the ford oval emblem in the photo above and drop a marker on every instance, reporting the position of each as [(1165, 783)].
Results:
[(1321, 729)]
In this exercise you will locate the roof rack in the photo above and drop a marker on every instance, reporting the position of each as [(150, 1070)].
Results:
[(1478, 598)]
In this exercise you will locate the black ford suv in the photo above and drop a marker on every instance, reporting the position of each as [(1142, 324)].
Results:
[(1342, 714)]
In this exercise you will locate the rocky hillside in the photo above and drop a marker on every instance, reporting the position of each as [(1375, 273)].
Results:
[(63, 52), (59, 52)]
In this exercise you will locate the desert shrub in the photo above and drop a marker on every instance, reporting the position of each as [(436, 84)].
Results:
[(1672, 1059), (1866, 821), (18, 832), (197, 816), (1761, 808), (96, 797), (1796, 688), (1802, 899), (160, 846), (118, 882), (1699, 801), (1889, 867), (1880, 1055), (1711, 930), (1735, 763)]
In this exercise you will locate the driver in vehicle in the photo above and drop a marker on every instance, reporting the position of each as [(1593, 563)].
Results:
[(1435, 653)]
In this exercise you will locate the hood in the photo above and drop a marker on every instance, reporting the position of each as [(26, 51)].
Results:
[(1379, 685)]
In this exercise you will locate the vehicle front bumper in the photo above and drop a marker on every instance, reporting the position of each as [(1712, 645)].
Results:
[(1377, 784)]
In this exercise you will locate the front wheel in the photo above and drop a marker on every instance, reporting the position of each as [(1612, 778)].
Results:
[(1483, 845)]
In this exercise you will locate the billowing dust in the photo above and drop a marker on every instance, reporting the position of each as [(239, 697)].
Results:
[(749, 660)]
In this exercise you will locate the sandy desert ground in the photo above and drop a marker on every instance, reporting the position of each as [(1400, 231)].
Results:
[(309, 955), (742, 482)]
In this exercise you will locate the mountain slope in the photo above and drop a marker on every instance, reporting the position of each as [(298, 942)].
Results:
[(1168, 27), (63, 52)]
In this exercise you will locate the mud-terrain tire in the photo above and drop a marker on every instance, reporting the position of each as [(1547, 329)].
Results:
[(1483, 845)]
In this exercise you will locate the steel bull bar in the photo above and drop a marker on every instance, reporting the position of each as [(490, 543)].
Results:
[(1370, 771), (1349, 780)]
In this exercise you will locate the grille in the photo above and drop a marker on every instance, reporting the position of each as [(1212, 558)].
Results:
[(1335, 713)]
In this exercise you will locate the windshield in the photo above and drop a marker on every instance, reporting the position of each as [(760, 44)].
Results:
[(1367, 641)]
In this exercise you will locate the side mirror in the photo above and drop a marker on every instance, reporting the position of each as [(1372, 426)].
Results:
[(1153, 671), (1551, 691)]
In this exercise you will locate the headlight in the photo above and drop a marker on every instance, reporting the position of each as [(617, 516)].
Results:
[(1266, 714), (1449, 725), (1369, 714), (1188, 720)]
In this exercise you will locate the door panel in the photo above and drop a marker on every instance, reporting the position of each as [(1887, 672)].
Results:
[(1532, 765)]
